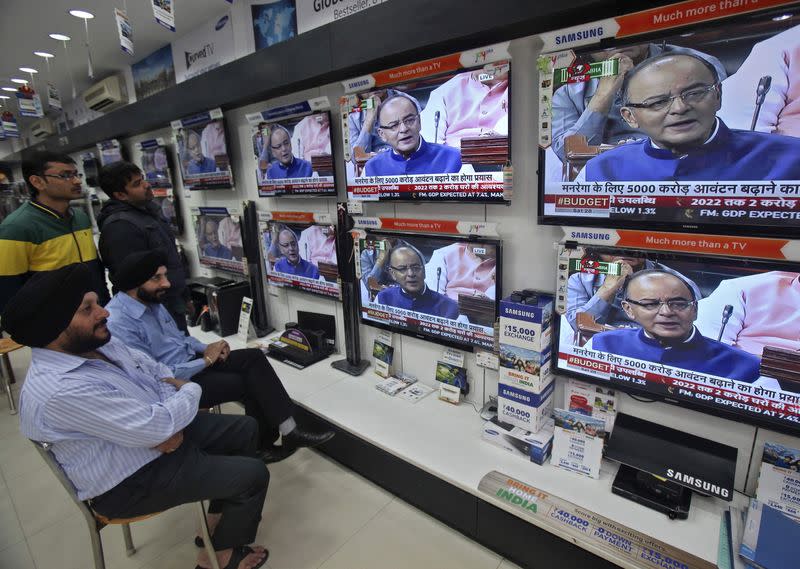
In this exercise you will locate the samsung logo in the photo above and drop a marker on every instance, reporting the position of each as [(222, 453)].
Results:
[(194, 57), (517, 312), (580, 35), (372, 222), (357, 84), (221, 23), (588, 235), (698, 483)]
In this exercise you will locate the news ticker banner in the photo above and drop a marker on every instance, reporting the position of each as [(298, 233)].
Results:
[(726, 245), (598, 534), (437, 226), (316, 286), (467, 186), (296, 217)]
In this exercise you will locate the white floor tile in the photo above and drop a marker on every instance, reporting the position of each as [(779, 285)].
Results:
[(63, 545), (40, 500), (17, 556), (10, 530), (313, 507), (18, 456), (9, 424), (401, 537)]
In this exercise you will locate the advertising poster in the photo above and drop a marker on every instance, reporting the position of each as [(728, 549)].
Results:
[(442, 133), (292, 149), (30, 104), (315, 13), (204, 48), (9, 124), (164, 12), (53, 97), (203, 151), (124, 30), (273, 22), (154, 73)]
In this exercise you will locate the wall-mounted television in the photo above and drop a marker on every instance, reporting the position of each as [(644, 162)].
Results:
[(718, 333), (691, 128), (157, 172), (436, 287), (301, 255), (203, 151), (219, 238), (292, 149), (110, 151), (434, 130)]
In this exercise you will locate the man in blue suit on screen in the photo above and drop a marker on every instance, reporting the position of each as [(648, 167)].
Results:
[(291, 263), (198, 162), (286, 164), (673, 99), (399, 126)]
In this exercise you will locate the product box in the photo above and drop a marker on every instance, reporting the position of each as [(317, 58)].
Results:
[(531, 446), (526, 326), (524, 409), (591, 400), (533, 382)]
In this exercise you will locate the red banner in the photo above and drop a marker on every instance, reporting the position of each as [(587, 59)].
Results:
[(712, 244), (417, 70)]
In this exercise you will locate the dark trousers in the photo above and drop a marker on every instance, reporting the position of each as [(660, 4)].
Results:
[(247, 376), (214, 463)]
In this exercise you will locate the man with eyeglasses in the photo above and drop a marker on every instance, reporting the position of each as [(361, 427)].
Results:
[(399, 126), (665, 306), (407, 269), (45, 233), (286, 164), (674, 99), (290, 262)]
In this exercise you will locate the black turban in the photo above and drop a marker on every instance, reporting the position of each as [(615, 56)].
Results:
[(137, 268), (45, 305)]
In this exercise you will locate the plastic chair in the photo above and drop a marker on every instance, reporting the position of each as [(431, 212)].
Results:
[(7, 346), (96, 522)]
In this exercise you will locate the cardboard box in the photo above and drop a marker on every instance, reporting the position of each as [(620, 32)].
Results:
[(531, 446), (526, 326), (524, 409), (535, 383)]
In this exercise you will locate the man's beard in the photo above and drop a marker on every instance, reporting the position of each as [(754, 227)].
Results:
[(79, 344), (154, 298)]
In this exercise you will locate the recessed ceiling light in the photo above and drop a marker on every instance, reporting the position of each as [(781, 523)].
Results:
[(781, 18), (82, 14), (20, 81), (9, 89), (43, 54), (28, 70), (60, 37), (4, 97)]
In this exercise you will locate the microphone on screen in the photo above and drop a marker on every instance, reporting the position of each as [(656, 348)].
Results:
[(436, 116), (726, 315), (438, 277), (764, 85)]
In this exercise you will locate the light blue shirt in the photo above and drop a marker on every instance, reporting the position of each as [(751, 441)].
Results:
[(151, 329), (102, 419)]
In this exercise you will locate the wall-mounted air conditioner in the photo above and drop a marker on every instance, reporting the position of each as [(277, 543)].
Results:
[(42, 128), (106, 95)]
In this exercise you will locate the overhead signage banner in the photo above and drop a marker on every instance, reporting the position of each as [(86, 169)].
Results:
[(9, 124), (204, 48), (53, 97), (164, 12), (315, 13), (30, 104), (124, 30)]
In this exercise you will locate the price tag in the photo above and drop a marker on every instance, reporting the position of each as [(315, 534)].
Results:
[(244, 319), (449, 393), (355, 207), (453, 357), (508, 182), (487, 359), (385, 337)]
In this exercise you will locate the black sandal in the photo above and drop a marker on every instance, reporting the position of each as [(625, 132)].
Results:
[(238, 554)]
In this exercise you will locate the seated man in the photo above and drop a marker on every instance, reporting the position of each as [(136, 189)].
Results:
[(125, 431), (407, 268), (286, 164), (673, 99), (139, 319), (399, 126), (291, 263), (666, 307)]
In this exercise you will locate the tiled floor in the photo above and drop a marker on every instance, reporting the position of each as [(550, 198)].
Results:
[(318, 515)]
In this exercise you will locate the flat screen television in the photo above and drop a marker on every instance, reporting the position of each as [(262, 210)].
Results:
[(689, 129), (440, 288), (219, 239), (301, 256), (442, 134), (110, 151), (717, 333), (203, 151), (292, 149), (157, 172)]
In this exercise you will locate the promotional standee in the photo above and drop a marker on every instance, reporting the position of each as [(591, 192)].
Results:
[(711, 152), (435, 130), (203, 151), (292, 149), (219, 238), (156, 169)]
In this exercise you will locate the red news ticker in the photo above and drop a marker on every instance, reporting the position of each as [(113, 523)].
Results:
[(587, 363), (593, 202)]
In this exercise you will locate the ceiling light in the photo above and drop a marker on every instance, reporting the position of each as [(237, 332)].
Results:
[(28, 70), (60, 37), (4, 97), (781, 18), (43, 54), (9, 89), (82, 14), (20, 81)]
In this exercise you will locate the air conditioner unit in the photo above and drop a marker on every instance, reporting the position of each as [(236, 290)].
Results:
[(42, 128), (106, 95)]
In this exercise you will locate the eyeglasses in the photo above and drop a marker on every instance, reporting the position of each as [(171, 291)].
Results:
[(417, 268), (408, 121), (290, 245), (285, 143), (65, 176), (690, 97), (677, 305)]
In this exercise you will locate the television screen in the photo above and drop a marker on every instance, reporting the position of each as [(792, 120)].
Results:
[(90, 169), (301, 256), (292, 149), (719, 332), (219, 238), (155, 166), (203, 151), (110, 151), (693, 130), (441, 288), (436, 130)]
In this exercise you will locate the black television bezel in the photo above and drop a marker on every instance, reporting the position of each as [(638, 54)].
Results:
[(704, 228), (319, 194), (707, 408), (496, 241), (291, 287), (450, 75)]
